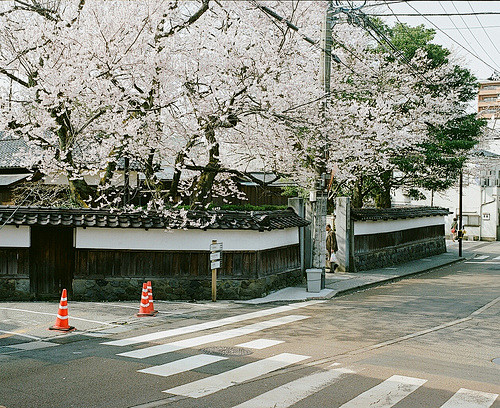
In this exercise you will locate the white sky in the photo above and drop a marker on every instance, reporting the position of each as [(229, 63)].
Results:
[(482, 37)]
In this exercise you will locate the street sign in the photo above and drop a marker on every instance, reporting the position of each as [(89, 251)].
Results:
[(215, 256), (216, 247), (215, 264)]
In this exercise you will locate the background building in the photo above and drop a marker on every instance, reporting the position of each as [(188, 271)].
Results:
[(488, 99)]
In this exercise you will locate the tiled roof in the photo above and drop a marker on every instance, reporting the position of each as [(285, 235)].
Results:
[(12, 151), (375, 214), (246, 220)]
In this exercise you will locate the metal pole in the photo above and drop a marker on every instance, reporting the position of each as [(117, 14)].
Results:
[(460, 214), (214, 280)]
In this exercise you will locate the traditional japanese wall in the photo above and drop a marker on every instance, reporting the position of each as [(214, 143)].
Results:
[(385, 237), (184, 275), (102, 255)]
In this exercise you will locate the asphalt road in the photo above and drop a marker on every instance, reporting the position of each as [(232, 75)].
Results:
[(429, 341)]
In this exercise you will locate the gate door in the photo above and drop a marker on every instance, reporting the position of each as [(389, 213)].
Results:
[(51, 261)]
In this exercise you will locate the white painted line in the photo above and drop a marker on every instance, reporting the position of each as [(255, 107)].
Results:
[(33, 345), (211, 338), (209, 325), (482, 257), (209, 385), (260, 344), (21, 335), (386, 394), (465, 398), (295, 391), (497, 258), (483, 262), (54, 315), (180, 366)]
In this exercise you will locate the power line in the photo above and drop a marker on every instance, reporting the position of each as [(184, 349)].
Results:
[(471, 33), (471, 28), (451, 38), (435, 14), (491, 41)]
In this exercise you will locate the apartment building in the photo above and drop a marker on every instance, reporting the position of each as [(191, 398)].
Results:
[(488, 102)]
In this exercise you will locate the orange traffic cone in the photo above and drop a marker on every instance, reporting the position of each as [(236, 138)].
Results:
[(144, 308), (62, 315), (150, 294)]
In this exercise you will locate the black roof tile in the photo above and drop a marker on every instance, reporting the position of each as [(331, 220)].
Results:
[(245, 220), (375, 214)]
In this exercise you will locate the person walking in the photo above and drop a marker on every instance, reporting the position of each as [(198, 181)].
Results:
[(454, 229), (331, 247)]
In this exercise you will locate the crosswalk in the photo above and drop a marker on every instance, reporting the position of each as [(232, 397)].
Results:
[(385, 394), (485, 259)]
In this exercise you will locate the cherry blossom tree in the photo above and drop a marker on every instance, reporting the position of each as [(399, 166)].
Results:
[(170, 83), (209, 89)]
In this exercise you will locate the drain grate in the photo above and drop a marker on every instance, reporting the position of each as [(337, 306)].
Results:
[(227, 351)]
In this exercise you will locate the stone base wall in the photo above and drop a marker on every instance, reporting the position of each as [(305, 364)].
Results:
[(399, 254), (112, 289), (15, 289)]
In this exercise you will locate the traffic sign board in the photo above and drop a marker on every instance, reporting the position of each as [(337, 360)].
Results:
[(216, 247), (215, 256), (215, 264)]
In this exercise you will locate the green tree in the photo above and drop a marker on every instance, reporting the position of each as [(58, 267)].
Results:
[(436, 165)]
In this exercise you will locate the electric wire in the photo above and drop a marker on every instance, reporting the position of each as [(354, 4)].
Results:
[(472, 34), (486, 32), (451, 38), (436, 14)]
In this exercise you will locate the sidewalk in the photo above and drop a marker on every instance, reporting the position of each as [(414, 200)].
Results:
[(340, 283)]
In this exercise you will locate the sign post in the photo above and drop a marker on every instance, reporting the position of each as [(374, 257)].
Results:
[(215, 263)]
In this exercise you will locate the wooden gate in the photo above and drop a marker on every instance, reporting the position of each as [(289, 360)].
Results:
[(52, 259)]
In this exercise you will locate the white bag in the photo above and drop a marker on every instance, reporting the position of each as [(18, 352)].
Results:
[(333, 258)]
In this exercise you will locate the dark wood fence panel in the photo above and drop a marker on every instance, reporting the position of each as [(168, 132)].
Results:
[(371, 242), (51, 260), (14, 262), (91, 263)]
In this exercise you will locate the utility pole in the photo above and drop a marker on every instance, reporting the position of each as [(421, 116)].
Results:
[(460, 225), (319, 196)]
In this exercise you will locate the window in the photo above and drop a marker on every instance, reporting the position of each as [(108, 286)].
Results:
[(471, 220), (489, 98)]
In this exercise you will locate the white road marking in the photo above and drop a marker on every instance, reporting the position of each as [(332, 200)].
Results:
[(209, 325), (295, 391), (33, 345), (180, 366), (54, 315), (482, 262), (210, 338), (497, 258), (481, 257), (210, 385), (465, 398), (21, 335), (386, 394), (260, 344)]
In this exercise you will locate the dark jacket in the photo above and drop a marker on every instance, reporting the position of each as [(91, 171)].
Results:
[(331, 242)]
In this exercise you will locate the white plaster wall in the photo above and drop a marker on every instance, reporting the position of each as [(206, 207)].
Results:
[(183, 240), (15, 237), (377, 227)]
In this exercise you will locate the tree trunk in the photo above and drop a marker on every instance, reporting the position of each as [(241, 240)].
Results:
[(357, 193), (383, 196), (201, 193)]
